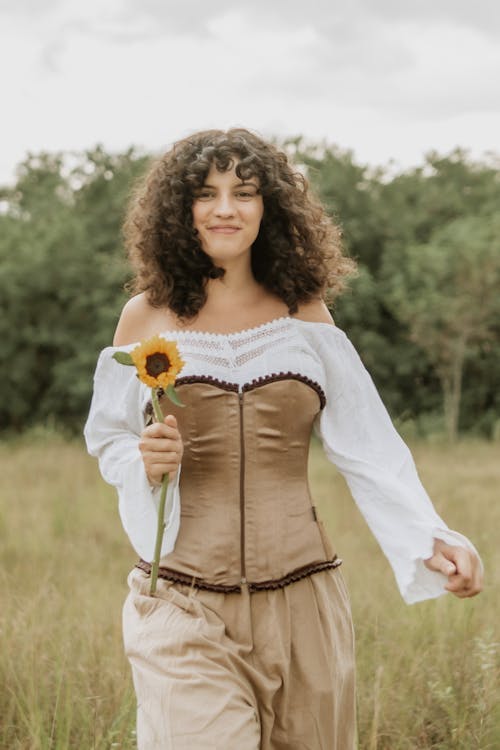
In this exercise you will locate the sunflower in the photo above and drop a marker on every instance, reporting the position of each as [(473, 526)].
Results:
[(157, 361)]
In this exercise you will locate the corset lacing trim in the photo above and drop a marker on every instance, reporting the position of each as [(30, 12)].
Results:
[(264, 379), (255, 383), (270, 585), (224, 384)]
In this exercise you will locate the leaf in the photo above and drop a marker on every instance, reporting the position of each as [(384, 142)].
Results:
[(123, 358), (172, 394)]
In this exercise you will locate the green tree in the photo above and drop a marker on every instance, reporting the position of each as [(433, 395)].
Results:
[(62, 271), (371, 216), (446, 292)]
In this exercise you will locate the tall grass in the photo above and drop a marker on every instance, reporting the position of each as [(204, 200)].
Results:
[(427, 674)]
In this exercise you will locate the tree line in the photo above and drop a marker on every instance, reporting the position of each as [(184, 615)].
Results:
[(423, 311)]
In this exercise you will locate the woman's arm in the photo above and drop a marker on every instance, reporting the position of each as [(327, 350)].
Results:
[(359, 438), (133, 457), (161, 444)]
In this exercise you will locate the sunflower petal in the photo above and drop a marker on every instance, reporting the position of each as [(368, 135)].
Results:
[(158, 362)]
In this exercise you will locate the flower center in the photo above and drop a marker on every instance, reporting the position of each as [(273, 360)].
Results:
[(157, 363)]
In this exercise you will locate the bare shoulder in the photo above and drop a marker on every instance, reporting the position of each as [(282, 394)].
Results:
[(139, 320), (314, 311)]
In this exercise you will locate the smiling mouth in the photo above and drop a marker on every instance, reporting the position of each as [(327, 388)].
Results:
[(224, 230)]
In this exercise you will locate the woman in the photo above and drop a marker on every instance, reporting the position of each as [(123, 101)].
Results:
[(248, 643)]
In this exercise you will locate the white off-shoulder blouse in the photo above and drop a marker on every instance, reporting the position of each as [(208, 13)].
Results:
[(356, 431)]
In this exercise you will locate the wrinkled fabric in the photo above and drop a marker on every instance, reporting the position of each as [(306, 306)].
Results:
[(271, 670)]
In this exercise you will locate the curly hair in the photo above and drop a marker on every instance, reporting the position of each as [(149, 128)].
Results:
[(297, 254)]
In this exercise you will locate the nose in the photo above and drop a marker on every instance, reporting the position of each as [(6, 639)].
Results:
[(224, 205)]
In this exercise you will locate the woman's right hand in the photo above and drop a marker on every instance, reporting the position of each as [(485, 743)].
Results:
[(161, 447)]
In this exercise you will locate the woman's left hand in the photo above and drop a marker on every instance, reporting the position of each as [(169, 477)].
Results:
[(462, 567)]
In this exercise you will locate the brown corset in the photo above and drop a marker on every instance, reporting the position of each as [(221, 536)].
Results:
[(246, 511)]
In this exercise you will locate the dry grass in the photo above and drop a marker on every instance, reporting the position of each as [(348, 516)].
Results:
[(427, 674)]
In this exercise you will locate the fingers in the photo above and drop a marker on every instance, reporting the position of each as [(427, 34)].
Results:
[(161, 448), (158, 464), (461, 566), (156, 473), (159, 445), (155, 461), (167, 428), (467, 581), (158, 449), (161, 436), (440, 564)]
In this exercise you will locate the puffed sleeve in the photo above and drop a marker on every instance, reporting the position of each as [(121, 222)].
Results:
[(112, 433), (359, 438)]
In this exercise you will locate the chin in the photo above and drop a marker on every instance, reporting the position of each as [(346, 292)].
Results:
[(220, 258)]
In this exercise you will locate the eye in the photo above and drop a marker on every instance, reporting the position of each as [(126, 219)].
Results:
[(204, 194), (245, 195)]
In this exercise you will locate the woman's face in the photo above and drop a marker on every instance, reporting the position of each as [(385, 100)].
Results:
[(227, 212)]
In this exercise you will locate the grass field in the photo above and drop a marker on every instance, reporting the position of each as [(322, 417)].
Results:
[(427, 674)]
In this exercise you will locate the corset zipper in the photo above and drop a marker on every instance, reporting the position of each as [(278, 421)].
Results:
[(242, 491)]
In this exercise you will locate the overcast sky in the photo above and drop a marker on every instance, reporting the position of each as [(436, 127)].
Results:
[(389, 79)]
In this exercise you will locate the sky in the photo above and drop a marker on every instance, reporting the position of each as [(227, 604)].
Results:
[(389, 80)]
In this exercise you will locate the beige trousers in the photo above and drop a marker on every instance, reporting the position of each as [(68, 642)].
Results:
[(267, 670)]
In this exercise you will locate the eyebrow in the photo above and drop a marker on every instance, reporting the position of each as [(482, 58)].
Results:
[(238, 184)]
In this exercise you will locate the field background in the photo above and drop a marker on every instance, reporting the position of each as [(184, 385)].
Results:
[(427, 674)]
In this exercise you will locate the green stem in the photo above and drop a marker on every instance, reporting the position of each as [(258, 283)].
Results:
[(161, 508), (159, 534), (156, 405)]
